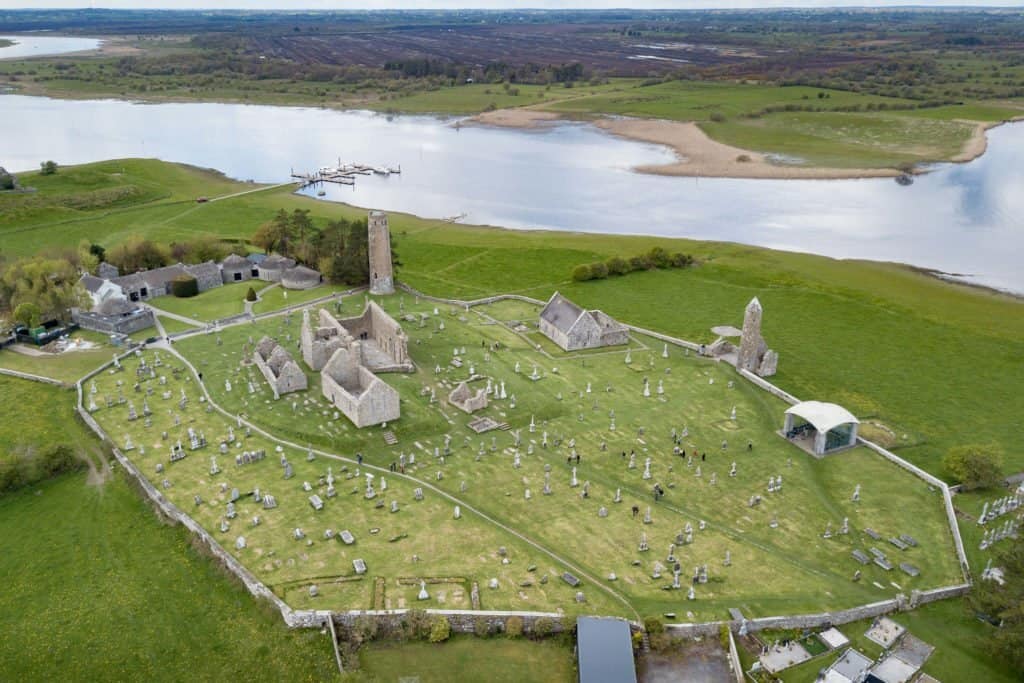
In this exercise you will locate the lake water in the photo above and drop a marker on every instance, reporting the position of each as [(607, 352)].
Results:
[(966, 219), (28, 45)]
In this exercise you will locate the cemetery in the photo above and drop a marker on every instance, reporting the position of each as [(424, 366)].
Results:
[(632, 479)]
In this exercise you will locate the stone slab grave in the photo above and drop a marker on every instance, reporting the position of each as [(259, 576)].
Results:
[(390, 438), (884, 632), (833, 638), (872, 533), (861, 556), (359, 566), (892, 669), (570, 579), (849, 667), (346, 537), (483, 424), (909, 569), (780, 657), (913, 650)]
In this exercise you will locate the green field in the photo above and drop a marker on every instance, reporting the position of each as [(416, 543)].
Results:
[(508, 661), (98, 589)]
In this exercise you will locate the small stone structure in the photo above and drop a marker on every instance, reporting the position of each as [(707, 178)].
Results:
[(348, 352), (384, 346), (466, 400), (754, 354), (277, 365), (573, 328), (359, 394), (237, 268), (382, 279), (272, 268), (300, 277)]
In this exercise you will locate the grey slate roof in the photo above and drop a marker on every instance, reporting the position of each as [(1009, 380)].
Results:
[(605, 650), (235, 261), (91, 283), (561, 312)]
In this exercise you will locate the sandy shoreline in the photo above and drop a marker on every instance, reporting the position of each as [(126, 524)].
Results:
[(700, 156)]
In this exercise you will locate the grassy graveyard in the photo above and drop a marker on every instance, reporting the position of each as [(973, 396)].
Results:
[(788, 569)]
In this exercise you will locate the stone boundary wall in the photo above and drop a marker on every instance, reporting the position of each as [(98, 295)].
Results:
[(734, 659), (461, 621), (769, 387), (30, 377)]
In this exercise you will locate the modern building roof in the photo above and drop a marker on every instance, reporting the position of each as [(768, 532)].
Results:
[(823, 416), (561, 312), (605, 650)]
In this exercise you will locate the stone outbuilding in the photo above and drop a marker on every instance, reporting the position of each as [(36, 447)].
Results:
[(820, 428), (356, 392), (300, 277), (466, 400), (278, 367), (272, 268), (573, 328), (237, 268)]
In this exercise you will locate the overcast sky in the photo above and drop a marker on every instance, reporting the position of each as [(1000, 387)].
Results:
[(486, 4)]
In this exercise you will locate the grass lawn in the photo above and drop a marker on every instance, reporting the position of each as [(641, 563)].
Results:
[(67, 367), (37, 416), (116, 595), (459, 659), (277, 298), (213, 304)]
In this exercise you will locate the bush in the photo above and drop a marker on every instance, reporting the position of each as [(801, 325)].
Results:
[(250, 295), (718, 117), (581, 273), (976, 466), (680, 260), (417, 624), (482, 627), (6, 181), (743, 158), (617, 265), (184, 286), (440, 630), (641, 262), (514, 627), (654, 626), (48, 168), (598, 271), (543, 627), (31, 467), (658, 257)]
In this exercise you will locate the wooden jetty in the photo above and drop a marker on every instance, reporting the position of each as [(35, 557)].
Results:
[(343, 174)]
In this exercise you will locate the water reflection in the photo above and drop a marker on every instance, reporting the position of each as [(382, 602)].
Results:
[(960, 218)]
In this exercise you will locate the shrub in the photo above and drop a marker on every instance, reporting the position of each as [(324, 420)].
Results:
[(581, 273), (598, 271), (654, 625), (184, 286), (641, 262), (718, 117), (417, 624), (482, 627), (617, 265), (514, 627), (48, 168), (250, 295), (743, 158), (543, 627), (681, 260), (658, 257), (440, 630), (976, 466)]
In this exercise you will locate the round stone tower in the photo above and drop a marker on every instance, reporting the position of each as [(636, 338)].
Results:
[(382, 280), (752, 345)]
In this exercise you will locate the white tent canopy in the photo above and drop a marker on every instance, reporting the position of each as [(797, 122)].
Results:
[(823, 416)]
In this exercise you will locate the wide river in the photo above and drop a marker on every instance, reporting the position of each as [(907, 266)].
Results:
[(29, 45), (966, 219)]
